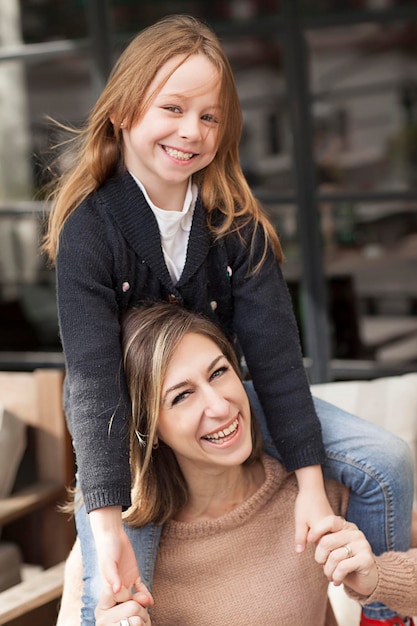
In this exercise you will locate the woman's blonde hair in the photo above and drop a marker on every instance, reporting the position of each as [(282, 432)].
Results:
[(98, 147), (150, 335)]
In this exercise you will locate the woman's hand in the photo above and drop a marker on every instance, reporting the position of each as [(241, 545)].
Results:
[(112, 608), (345, 554), (116, 558)]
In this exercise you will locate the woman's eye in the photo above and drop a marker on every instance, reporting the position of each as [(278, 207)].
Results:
[(219, 372), (181, 396)]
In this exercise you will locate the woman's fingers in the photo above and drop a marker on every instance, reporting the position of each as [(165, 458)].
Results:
[(345, 554), (112, 608)]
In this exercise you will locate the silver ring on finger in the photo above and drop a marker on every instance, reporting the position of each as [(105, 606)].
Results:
[(124, 621), (348, 552)]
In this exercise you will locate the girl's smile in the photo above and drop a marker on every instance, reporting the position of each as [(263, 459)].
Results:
[(178, 133)]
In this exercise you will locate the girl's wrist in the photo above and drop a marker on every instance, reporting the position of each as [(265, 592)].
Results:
[(310, 478), (106, 520)]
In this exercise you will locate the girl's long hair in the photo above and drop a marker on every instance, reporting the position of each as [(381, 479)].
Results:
[(97, 149), (150, 335)]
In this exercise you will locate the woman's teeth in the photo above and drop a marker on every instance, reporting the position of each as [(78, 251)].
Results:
[(176, 154), (221, 434)]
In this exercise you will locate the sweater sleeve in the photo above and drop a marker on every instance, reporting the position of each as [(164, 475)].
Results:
[(397, 583), (267, 333), (96, 398)]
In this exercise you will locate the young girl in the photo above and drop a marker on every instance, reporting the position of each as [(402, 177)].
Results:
[(155, 207)]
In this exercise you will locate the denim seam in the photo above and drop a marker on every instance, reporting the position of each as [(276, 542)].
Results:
[(151, 556), (385, 489)]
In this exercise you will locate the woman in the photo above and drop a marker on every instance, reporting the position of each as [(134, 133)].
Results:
[(221, 507)]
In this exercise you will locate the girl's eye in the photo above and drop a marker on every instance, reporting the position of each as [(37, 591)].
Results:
[(219, 372), (210, 118), (173, 109)]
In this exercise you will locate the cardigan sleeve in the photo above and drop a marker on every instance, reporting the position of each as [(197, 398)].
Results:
[(397, 582), (267, 333), (96, 399)]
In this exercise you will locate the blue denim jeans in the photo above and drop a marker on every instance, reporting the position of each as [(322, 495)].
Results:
[(376, 465)]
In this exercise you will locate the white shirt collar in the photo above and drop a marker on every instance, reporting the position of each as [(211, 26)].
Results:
[(170, 221)]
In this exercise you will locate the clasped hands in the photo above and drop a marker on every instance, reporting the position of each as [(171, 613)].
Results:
[(345, 554)]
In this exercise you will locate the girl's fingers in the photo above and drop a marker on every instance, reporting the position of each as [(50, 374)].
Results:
[(107, 600), (142, 595), (122, 596), (329, 524)]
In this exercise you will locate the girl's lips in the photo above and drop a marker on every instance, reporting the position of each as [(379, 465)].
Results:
[(181, 155)]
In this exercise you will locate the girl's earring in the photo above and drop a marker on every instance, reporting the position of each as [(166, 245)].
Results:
[(122, 124)]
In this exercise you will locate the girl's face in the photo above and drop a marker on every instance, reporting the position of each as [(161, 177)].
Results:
[(178, 134), (205, 414)]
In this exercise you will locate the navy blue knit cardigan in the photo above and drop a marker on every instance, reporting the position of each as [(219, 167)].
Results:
[(110, 258)]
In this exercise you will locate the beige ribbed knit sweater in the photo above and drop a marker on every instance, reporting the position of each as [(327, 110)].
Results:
[(241, 569), (397, 582)]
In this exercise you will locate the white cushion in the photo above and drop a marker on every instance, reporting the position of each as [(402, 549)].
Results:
[(389, 402)]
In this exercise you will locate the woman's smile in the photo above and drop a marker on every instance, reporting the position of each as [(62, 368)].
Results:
[(224, 436)]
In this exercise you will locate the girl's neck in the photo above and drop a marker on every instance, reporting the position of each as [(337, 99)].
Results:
[(215, 496), (171, 198)]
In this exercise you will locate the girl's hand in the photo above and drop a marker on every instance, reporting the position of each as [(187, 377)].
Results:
[(116, 558), (112, 608), (311, 504), (345, 554)]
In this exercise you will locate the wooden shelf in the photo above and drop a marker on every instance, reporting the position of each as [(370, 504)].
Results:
[(27, 500), (30, 518), (41, 588)]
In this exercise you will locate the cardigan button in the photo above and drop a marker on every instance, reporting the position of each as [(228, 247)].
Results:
[(172, 299)]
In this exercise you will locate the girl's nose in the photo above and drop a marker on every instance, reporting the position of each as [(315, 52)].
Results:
[(190, 127)]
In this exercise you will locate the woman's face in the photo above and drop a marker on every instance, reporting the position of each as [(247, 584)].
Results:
[(205, 414), (178, 133)]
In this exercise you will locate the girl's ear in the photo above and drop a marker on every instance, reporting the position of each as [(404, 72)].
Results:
[(111, 118)]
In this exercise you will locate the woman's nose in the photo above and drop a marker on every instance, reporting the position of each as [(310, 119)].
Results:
[(216, 404)]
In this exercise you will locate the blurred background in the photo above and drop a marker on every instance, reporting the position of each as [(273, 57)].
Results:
[(328, 90)]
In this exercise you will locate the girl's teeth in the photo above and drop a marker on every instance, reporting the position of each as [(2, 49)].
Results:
[(176, 154)]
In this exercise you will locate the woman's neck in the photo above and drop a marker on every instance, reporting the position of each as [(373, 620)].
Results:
[(212, 496)]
